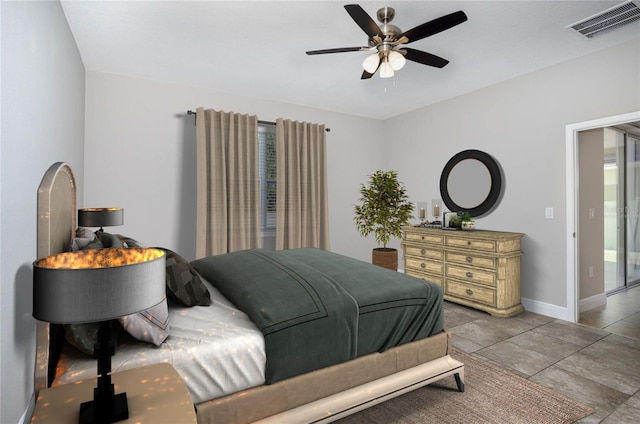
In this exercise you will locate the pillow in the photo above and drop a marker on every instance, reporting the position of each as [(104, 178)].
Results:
[(85, 336), (83, 237), (129, 242), (100, 240), (84, 232), (94, 244), (184, 282), (109, 240), (151, 325), (87, 239)]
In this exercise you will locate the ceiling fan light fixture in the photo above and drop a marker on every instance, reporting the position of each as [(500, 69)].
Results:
[(397, 60), (387, 40), (371, 63), (386, 70)]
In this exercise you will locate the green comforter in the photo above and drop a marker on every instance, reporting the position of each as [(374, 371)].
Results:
[(317, 308)]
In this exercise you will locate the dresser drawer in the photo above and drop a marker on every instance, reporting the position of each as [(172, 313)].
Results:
[(472, 274), (471, 260), (424, 238), (423, 276), (424, 252), (417, 264), (470, 292), (475, 244)]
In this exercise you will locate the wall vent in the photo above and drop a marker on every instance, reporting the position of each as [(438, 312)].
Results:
[(608, 20)]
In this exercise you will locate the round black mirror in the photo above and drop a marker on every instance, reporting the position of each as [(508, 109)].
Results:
[(471, 182)]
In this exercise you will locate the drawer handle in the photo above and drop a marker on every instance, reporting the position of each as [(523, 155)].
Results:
[(468, 243), (469, 274), (469, 292), (423, 251), (469, 259), (423, 265)]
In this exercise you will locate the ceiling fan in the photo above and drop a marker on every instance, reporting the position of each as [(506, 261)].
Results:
[(388, 39)]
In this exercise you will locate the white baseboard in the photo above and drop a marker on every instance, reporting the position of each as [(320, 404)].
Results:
[(591, 302), (26, 415), (542, 308)]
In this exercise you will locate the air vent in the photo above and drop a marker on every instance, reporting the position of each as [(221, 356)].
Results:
[(608, 20)]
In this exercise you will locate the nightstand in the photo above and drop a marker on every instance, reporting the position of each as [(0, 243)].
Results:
[(155, 394)]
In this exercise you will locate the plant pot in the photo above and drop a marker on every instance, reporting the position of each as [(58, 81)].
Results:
[(468, 225), (385, 257)]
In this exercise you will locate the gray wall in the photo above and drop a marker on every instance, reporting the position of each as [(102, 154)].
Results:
[(591, 227), (521, 123), (140, 155), (42, 122)]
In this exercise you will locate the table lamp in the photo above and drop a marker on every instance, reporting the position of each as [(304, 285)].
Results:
[(99, 285), (100, 217)]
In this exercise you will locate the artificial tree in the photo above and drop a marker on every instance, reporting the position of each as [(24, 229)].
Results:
[(383, 210)]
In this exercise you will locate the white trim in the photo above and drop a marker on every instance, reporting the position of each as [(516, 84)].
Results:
[(28, 413), (547, 309), (595, 301), (571, 139)]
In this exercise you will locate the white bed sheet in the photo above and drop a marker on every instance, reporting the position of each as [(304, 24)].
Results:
[(216, 349)]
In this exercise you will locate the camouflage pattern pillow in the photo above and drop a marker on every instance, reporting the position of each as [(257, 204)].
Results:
[(129, 242), (85, 336), (184, 282)]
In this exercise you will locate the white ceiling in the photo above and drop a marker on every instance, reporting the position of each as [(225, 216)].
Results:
[(257, 48)]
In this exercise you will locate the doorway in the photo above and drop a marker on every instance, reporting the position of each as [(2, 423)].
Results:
[(621, 207), (572, 209)]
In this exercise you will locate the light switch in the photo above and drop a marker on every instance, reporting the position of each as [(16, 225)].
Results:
[(548, 213), (592, 213)]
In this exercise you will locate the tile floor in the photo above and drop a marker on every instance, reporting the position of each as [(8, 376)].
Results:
[(621, 314), (596, 364)]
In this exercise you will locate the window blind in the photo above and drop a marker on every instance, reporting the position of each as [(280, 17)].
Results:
[(267, 171)]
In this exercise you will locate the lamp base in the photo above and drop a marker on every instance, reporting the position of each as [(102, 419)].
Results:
[(106, 406), (89, 413)]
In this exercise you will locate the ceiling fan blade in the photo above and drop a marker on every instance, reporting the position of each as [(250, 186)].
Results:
[(425, 58), (366, 75), (364, 21), (339, 50), (435, 26)]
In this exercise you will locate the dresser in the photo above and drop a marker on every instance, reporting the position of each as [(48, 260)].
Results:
[(480, 269)]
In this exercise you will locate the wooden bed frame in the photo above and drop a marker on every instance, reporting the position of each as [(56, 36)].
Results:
[(320, 396)]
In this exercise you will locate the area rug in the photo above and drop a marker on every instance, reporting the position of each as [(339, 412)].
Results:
[(492, 395)]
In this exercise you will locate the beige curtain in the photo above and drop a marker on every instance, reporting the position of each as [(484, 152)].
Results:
[(228, 194), (302, 212)]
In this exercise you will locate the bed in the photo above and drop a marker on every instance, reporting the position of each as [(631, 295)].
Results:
[(361, 360)]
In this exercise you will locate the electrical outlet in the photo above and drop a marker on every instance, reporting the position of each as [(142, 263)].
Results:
[(548, 213)]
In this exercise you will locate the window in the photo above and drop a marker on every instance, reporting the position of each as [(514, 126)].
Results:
[(267, 170)]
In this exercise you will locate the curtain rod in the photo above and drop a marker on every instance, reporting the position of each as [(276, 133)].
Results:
[(190, 112)]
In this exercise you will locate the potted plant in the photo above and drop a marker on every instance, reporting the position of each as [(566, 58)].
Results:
[(463, 221), (467, 223), (383, 210)]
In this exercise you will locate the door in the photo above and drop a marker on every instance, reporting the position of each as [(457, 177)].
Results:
[(615, 212), (621, 209), (632, 208)]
